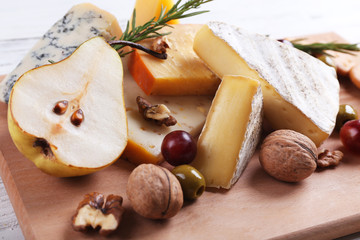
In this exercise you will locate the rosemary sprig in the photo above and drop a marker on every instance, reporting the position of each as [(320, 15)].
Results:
[(317, 49), (151, 28)]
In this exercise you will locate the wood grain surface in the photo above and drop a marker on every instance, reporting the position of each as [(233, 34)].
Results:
[(323, 206)]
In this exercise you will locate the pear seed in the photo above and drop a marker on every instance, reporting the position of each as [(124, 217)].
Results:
[(77, 117), (60, 107)]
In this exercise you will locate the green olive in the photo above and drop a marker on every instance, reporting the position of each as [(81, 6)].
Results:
[(191, 180), (346, 113), (327, 60)]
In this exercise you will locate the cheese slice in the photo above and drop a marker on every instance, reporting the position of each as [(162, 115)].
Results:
[(300, 92), (80, 23), (145, 137), (148, 9), (182, 73), (231, 132)]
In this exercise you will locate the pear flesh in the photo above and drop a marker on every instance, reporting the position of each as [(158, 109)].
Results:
[(91, 79)]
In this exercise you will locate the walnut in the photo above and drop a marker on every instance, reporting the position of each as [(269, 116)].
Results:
[(93, 213), (288, 155), (160, 44), (154, 192), (328, 159), (158, 113)]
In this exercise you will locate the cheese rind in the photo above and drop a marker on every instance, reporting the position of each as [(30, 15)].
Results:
[(80, 23), (182, 73), (231, 132), (300, 92), (145, 137)]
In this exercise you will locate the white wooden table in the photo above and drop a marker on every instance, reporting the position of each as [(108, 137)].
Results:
[(23, 22)]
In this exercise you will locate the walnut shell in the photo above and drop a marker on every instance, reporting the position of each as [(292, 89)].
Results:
[(288, 155), (154, 192)]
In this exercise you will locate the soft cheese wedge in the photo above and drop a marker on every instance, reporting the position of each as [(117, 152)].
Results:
[(148, 9), (80, 23), (300, 92), (145, 137), (231, 132), (69, 117), (182, 73)]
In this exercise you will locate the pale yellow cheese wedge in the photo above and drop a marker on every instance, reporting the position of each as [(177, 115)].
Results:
[(147, 9), (300, 92), (145, 137), (231, 132)]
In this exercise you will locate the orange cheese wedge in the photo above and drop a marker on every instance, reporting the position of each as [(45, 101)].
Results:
[(182, 73)]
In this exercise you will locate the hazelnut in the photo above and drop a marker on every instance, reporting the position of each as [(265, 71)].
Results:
[(288, 155), (154, 192)]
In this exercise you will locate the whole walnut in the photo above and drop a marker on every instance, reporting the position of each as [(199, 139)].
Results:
[(154, 192), (288, 155)]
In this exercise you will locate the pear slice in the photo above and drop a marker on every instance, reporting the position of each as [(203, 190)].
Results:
[(69, 118)]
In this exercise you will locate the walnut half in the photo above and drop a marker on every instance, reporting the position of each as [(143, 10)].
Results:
[(93, 213), (160, 44), (327, 158), (158, 113)]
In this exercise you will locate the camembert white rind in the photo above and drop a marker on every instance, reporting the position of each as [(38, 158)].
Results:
[(231, 131), (300, 92)]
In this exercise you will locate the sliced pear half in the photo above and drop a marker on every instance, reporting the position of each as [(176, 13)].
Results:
[(69, 117)]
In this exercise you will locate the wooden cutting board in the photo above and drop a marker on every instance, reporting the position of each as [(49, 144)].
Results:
[(324, 206)]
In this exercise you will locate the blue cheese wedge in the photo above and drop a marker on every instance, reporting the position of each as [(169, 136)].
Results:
[(300, 92), (80, 23)]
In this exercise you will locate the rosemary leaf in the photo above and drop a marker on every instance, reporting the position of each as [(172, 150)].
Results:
[(133, 20), (316, 49)]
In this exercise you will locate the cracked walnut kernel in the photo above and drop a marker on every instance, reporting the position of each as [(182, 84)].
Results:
[(94, 212), (160, 44), (158, 113), (328, 159)]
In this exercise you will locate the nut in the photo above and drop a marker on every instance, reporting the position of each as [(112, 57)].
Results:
[(160, 44), (158, 113), (92, 213), (154, 192), (288, 155), (328, 159)]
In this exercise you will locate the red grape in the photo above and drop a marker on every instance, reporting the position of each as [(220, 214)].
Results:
[(350, 135), (178, 147)]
